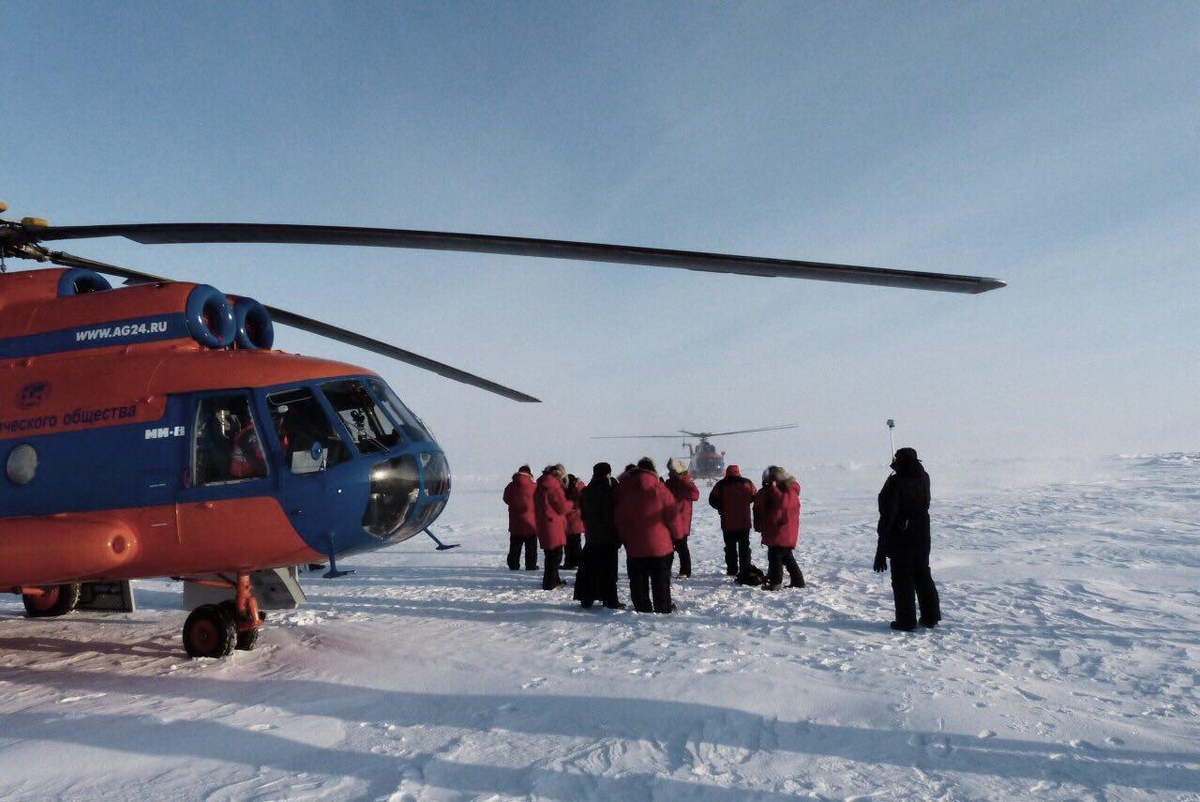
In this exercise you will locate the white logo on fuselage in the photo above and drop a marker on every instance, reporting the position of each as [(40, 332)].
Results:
[(164, 431)]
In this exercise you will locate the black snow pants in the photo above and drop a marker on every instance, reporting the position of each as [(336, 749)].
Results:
[(737, 551), (779, 558), (574, 551), (515, 545), (650, 583), (553, 558), (597, 578), (685, 557), (911, 578)]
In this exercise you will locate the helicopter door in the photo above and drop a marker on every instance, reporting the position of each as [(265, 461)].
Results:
[(162, 457), (228, 461), (306, 444)]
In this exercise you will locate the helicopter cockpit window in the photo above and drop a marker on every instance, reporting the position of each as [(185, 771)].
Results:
[(228, 447), (368, 426), (413, 427), (305, 432)]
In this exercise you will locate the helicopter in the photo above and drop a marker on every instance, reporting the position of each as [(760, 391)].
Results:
[(704, 460), (152, 430)]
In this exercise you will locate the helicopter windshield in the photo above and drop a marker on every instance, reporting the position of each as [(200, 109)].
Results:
[(414, 428), (369, 427)]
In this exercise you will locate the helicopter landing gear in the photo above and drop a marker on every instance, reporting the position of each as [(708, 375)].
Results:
[(215, 630), (209, 632), (51, 600), (246, 638)]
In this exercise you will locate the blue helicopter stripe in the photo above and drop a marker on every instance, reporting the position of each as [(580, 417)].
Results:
[(167, 326)]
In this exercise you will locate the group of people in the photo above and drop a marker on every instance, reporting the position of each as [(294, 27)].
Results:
[(651, 518)]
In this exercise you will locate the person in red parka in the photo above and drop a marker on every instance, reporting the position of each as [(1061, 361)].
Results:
[(685, 492), (550, 514), (647, 520), (780, 519), (574, 549), (731, 497), (522, 528)]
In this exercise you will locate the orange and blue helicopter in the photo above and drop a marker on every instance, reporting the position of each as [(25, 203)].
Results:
[(150, 429)]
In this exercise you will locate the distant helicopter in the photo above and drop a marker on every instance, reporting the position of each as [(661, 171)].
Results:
[(150, 431), (704, 460)]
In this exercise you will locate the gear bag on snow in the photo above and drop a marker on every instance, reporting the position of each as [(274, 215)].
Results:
[(751, 575)]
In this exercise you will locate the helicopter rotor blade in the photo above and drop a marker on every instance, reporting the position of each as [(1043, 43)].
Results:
[(384, 349), (175, 233), (763, 429), (640, 437), (312, 326)]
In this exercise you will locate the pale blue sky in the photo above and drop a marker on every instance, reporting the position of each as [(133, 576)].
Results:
[(1052, 145)]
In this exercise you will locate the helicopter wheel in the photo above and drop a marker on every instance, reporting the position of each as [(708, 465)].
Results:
[(209, 632), (246, 638), (54, 600)]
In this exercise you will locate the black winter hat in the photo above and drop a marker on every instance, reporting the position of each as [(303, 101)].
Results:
[(601, 469), (905, 455)]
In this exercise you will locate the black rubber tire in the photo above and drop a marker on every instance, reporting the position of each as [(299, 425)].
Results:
[(245, 640), (209, 632), (64, 599)]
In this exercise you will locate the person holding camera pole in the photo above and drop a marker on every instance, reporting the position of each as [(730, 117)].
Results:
[(904, 538)]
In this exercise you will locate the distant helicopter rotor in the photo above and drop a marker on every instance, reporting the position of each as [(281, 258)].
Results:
[(706, 463)]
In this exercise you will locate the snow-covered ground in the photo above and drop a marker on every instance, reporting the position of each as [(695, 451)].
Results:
[(1066, 668)]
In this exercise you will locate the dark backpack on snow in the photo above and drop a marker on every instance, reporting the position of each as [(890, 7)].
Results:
[(751, 575)]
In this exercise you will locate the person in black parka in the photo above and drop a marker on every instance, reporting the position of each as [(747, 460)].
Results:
[(904, 538), (597, 578)]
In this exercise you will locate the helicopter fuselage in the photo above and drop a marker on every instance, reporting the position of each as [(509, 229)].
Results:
[(133, 451), (707, 462)]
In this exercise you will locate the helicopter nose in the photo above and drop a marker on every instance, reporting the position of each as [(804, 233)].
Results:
[(407, 493)]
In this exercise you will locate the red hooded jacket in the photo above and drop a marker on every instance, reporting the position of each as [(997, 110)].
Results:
[(646, 515), (519, 498), (575, 507), (781, 515), (550, 511), (685, 492), (732, 497)]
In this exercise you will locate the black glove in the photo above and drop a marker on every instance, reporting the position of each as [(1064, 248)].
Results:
[(880, 560)]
